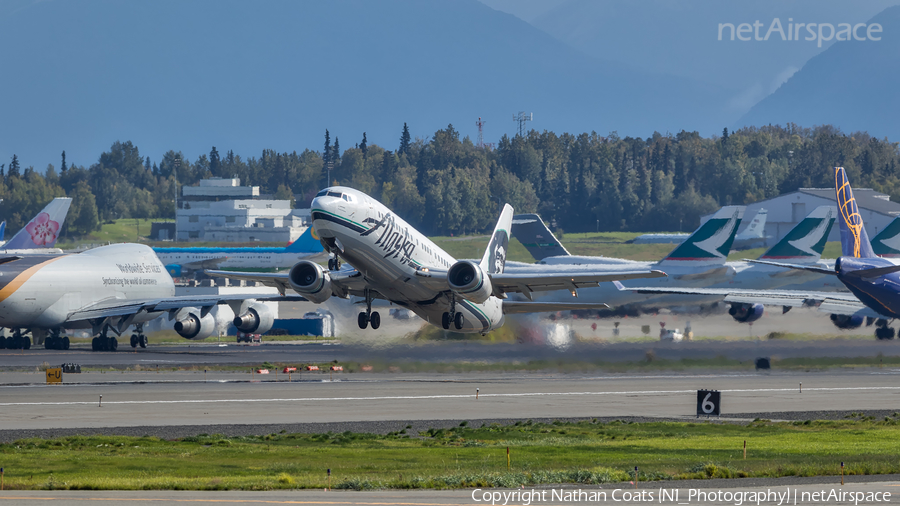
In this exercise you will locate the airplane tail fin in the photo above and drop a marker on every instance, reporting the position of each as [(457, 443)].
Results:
[(854, 239), (537, 238), (710, 244), (2, 230), (306, 243), (756, 229), (804, 243), (494, 258), (887, 242), (43, 230)]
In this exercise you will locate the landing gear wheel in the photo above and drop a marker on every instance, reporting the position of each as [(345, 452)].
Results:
[(143, 340), (65, 343), (363, 320), (2, 342), (134, 340), (884, 333), (459, 321), (113, 344), (445, 321), (330, 264), (375, 319), (95, 344), (49, 344), (26, 343)]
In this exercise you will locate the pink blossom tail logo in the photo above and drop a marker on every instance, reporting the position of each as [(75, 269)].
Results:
[(43, 230)]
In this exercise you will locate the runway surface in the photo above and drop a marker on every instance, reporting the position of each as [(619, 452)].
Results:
[(150, 399), (707, 492)]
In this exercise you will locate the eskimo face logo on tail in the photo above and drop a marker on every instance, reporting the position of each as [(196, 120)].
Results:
[(498, 247), (848, 208)]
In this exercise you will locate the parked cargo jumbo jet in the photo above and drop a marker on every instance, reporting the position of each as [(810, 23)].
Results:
[(184, 261), (393, 261), (106, 289)]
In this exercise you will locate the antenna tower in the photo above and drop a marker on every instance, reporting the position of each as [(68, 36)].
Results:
[(481, 144), (521, 118)]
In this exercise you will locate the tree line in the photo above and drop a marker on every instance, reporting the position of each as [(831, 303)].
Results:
[(447, 185)]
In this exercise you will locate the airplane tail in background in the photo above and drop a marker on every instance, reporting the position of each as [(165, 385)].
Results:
[(887, 242), (306, 243), (805, 242), (43, 230), (709, 244), (854, 239), (2, 230), (537, 238), (756, 229), (494, 259)]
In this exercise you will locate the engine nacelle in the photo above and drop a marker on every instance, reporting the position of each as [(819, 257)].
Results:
[(258, 319), (746, 313), (845, 322), (468, 280), (193, 326), (310, 280)]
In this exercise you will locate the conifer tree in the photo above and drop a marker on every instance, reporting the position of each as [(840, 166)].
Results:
[(404, 141), (364, 147)]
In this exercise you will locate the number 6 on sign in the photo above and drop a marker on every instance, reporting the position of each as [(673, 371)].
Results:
[(708, 402)]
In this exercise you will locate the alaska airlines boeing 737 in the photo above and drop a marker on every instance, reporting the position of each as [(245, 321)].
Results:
[(393, 261)]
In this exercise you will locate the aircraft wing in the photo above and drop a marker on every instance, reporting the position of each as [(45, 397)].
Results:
[(841, 303), (117, 307), (343, 283), (208, 263), (526, 283), (516, 307)]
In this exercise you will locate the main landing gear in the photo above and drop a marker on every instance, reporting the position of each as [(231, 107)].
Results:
[(882, 331), (138, 338), (104, 343), (453, 317), (369, 316), (55, 342), (17, 341)]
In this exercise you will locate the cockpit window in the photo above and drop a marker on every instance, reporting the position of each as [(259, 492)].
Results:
[(322, 193), (335, 194)]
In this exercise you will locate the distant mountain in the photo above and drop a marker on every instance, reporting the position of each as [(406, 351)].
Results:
[(681, 37), (852, 85), (191, 74)]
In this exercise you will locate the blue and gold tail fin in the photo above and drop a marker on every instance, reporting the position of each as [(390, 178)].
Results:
[(306, 243), (854, 240)]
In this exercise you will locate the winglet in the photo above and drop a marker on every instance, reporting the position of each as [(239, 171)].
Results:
[(43, 230), (494, 258), (619, 286), (710, 243), (854, 239), (537, 238), (806, 241)]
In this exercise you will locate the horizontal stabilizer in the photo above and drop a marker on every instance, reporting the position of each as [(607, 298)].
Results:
[(810, 268), (873, 272), (515, 307), (537, 238)]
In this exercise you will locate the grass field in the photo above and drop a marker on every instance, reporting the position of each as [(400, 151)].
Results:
[(584, 452)]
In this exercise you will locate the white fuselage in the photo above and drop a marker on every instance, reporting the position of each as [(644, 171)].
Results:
[(232, 258), (387, 251), (41, 291)]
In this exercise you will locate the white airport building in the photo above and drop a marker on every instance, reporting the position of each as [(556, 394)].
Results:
[(222, 210), (785, 211)]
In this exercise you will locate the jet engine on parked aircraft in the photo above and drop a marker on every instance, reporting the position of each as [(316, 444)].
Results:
[(746, 313), (257, 319), (468, 280), (846, 321), (190, 325), (310, 280)]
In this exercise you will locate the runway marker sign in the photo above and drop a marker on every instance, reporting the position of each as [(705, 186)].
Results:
[(54, 375), (708, 402)]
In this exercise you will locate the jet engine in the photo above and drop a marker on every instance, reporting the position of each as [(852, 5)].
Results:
[(192, 326), (310, 280), (468, 280), (258, 319), (845, 322), (746, 313)]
